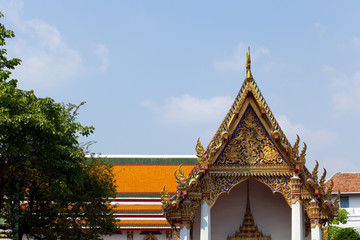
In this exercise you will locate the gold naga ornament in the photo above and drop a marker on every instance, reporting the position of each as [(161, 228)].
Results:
[(328, 194), (180, 179), (249, 145), (298, 160), (315, 173), (322, 182), (165, 197), (200, 154)]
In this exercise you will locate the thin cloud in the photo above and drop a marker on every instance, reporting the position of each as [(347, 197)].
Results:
[(102, 52), (320, 28), (347, 96), (236, 61), (356, 41), (190, 110), (317, 139), (46, 59), (332, 165), (345, 91)]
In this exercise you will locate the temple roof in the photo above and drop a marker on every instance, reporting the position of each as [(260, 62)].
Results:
[(145, 175), (249, 143), (139, 179), (249, 85), (345, 182)]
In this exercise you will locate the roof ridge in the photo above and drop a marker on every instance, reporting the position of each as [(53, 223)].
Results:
[(340, 173), (139, 156), (250, 83)]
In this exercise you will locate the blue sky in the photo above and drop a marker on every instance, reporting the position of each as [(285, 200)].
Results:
[(158, 74)]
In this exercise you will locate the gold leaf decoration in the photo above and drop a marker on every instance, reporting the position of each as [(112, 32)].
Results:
[(200, 153), (303, 154), (337, 200), (329, 190), (250, 145), (322, 180), (315, 172), (180, 179), (165, 197)]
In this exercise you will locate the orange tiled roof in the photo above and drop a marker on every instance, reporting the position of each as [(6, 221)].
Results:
[(345, 182), (133, 207), (147, 178), (143, 222), (139, 180)]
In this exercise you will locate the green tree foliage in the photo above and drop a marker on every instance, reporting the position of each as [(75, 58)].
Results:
[(341, 217), (5, 64), (339, 233), (44, 174)]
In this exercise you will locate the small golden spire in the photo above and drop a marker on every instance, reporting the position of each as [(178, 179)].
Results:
[(248, 65)]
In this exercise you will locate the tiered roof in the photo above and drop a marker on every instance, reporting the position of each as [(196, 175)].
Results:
[(250, 143), (139, 178)]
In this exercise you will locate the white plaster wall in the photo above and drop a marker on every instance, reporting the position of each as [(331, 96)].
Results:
[(353, 219), (354, 211), (354, 201), (123, 236), (137, 236), (270, 211)]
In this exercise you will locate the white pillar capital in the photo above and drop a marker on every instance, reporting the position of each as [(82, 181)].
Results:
[(316, 226)]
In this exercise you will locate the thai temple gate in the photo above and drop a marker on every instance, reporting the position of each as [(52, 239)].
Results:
[(250, 182)]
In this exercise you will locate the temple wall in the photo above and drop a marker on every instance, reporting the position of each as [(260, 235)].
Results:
[(271, 212), (137, 236)]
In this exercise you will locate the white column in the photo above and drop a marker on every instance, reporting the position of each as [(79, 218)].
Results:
[(297, 219), (184, 233), (297, 222), (205, 228), (316, 233), (316, 227)]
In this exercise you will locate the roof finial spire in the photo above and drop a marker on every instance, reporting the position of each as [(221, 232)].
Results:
[(248, 65), (248, 197)]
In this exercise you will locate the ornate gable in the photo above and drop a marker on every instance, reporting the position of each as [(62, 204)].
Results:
[(248, 143)]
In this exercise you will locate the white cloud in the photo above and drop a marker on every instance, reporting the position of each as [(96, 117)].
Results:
[(46, 59), (191, 110), (345, 91), (338, 164), (102, 52), (320, 28), (236, 62), (356, 41), (347, 95), (317, 139)]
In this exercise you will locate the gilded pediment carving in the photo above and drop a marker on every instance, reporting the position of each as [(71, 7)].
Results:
[(250, 145)]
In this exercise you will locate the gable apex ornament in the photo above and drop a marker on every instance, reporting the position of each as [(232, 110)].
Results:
[(248, 144), (249, 76)]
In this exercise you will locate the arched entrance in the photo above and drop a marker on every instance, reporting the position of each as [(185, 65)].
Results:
[(271, 213)]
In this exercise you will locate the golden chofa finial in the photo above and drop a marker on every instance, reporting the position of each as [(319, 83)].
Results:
[(248, 65)]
